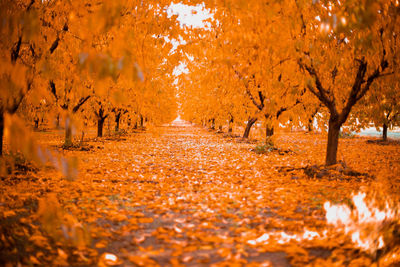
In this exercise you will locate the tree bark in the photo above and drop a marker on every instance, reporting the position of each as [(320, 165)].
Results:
[(1, 132), (36, 120), (83, 135), (230, 125), (101, 117), (212, 124), (269, 127), (80, 103), (384, 132), (333, 141), (68, 133), (141, 121), (117, 119), (58, 121), (249, 124), (269, 131), (100, 124), (310, 125), (310, 128)]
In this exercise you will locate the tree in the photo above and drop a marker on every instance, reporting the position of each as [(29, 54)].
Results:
[(361, 38), (19, 55), (269, 44), (118, 112), (249, 124), (101, 116), (66, 50), (70, 103), (252, 61), (210, 93), (381, 106)]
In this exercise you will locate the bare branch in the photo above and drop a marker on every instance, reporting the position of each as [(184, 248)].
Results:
[(283, 109), (15, 50), (319, 91), (53, 89), (54, 45), (30, 5), (334, 74), (246, 85), (80, 103)]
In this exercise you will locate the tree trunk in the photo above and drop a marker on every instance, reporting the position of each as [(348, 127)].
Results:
[(220, 128), (310, 125), (36, 120), (384, 132), (269, 131), (100, 124), (213, 124), (249, 124), (141, 121), (230, 125), (58, 121), (68, 132), (1, 132), (117, 119), (83, 135), (333, 141)]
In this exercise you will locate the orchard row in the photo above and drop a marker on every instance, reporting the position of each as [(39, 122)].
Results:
[(296, 62)]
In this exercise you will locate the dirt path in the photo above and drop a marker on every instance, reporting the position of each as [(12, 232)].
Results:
[(182, 195), (203, 193), (204, 197)]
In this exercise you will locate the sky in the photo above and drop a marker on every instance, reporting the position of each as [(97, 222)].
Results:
[(188, 16), (191, 16)]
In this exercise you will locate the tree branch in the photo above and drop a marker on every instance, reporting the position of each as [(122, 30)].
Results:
[(54, 45), (283, 109), (15, 50), (334, 74), (319, 91), (357, 91), (80, 103), (262, 98), (53, 89), (30, 5), (246, 85)]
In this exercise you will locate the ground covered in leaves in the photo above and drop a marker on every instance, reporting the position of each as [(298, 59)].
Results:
[(182, 195)]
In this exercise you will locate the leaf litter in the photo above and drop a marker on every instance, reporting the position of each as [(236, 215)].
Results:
[(191, 197)]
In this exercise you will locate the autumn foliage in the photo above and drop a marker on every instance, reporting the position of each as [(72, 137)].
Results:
[(264, 168)]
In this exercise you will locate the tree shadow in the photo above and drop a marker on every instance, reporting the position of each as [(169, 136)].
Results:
[(335, 172), (381, 142)]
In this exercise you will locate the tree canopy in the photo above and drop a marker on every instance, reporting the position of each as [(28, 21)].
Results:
[(125, 132)]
